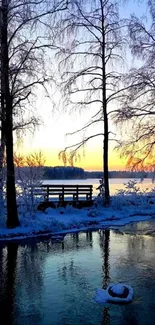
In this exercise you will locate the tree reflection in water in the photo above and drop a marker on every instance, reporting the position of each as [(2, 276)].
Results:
[(89, 238), (128, 315), (71, 269), (8, 262), (21, 283), (104, 241), (50, 277), (30, 277)]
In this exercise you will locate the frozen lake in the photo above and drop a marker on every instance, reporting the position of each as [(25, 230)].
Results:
[(53, 283), (115, 183)]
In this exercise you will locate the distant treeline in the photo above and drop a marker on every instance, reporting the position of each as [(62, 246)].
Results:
[(117, 174), (64, 173), (79, 173)]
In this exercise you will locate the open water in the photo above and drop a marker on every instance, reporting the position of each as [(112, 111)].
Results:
[(114, 183), (51, 282)]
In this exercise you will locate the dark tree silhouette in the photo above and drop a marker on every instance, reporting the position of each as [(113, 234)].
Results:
[(89, 64), (23, 69)]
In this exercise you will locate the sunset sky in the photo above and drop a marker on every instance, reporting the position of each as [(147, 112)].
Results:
[(50, 137)]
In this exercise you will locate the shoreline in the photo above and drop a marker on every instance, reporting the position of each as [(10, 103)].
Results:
[(20, 234)]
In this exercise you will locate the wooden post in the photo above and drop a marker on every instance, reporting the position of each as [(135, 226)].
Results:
[(77, 193), (62, 196), (91, 191), (47, 198)]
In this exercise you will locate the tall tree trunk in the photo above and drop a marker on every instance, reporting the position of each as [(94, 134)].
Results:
[(2, 111), (12, 214), (105, 115), (2, 149)]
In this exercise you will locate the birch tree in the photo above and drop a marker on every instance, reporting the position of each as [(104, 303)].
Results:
[(23, 70), (92, 76), (137, 112)]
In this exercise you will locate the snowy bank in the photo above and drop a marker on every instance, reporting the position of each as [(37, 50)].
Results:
[(123, 210)]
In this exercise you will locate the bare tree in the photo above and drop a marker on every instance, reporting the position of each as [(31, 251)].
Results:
[(24, 45), (92, 79), (29, 175), (137, 112)]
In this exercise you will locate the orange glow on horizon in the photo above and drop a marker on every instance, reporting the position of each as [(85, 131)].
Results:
[(90, 161)]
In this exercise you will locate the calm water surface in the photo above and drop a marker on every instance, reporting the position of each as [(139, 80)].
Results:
[(115, 183), (53, 283)]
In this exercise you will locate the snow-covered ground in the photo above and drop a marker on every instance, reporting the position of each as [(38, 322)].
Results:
[(115, 293), (124, 209)]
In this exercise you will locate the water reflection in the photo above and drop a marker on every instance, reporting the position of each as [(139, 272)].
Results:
[(70, 270), (144, 227), (82, 240), (128, 315), (8, 262), (30, 269), (47, 283), (104, 241), (106, 316)]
